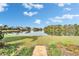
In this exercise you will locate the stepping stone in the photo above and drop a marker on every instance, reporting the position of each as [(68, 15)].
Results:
[(40, 51)]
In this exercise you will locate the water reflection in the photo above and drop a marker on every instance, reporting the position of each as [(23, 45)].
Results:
[(25, 33)]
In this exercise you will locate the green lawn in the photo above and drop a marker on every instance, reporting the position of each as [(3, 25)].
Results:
[(23, 45)]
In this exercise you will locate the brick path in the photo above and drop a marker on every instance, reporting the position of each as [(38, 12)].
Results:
[(40, 51)]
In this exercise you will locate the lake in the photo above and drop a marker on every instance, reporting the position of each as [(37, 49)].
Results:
[(37, 33)]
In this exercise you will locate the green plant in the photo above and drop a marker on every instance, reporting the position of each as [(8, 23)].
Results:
[(53, 50), (1, 35), (25, 52)]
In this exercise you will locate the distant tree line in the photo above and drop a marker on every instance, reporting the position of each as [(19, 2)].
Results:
[(60, 30), (7, 28), (17, 28), (37, 29)]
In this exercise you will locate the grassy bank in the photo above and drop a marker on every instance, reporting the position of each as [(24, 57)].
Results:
[(23, 45)]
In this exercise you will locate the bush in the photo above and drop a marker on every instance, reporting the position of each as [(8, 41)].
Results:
[(53, 50), (1, 37)]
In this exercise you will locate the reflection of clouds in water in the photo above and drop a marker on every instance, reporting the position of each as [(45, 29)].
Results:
[(38, 33)]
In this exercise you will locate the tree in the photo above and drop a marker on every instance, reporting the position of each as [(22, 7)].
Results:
[(28, 29), (37, 29), (5, 27), (67, 30)]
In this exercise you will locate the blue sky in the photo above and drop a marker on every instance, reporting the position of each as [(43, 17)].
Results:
[(39, 14)]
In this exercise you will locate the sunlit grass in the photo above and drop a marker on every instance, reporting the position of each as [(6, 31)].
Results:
[(27, 42)]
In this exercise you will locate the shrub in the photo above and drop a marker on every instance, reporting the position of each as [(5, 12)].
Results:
[(1, 37)]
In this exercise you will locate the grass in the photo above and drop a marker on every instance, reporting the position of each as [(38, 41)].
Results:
[(65, 41), (14, 43), (25, 52), (53, 50)]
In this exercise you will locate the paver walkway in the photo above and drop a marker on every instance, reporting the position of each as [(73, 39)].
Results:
[(40, 51)]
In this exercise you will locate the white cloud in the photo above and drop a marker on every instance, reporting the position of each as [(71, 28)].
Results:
[(55, 20), (67, 16), (68, 9), (26, 5), (64, 6), (37, 21), (30, 13), (59, 21), (38, 6), (2, 7), (63, 17), (61, 4), (32, 5)]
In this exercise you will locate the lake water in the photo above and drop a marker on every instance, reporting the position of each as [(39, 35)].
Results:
[(38, 33)]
